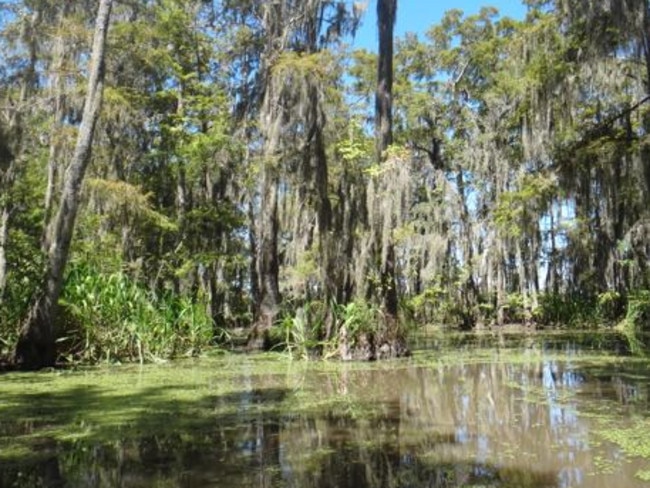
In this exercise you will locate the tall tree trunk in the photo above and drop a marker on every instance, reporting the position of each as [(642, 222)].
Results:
[(7, 171), (36, 344), (268, 262), (4, 237), (58, 83), (386, 15), (6, 181), (330, 276), (469, 289), (645, 43), (501, 282), (252, 249), (265, 240), (552, 280), (645, 48)]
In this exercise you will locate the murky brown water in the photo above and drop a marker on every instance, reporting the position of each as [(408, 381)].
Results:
[(482, 417)]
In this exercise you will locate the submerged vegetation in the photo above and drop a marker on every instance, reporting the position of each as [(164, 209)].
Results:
[(175, 172)]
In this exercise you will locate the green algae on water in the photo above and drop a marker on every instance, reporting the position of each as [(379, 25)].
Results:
[(486, 416)]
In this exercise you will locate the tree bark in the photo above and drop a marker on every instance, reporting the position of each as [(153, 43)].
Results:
[(36, 344), (58, 82), (268, 263), (386, 15), (6, 181), (267, 260), (4, 237)]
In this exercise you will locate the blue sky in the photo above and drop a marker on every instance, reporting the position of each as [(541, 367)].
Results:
[(418, 15)]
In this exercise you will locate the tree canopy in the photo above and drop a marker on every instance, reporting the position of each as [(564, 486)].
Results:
[(250, 169)]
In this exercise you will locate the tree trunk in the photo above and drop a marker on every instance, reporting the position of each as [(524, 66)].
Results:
[(4, 236), (265, 240), (501, 292), (388, 341), (386, 15), (552, 283), (268, 263), (58, 83), (6, 181), (645, 150), (36, 344)]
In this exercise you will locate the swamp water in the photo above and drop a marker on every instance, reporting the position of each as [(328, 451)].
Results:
[(466, 410)]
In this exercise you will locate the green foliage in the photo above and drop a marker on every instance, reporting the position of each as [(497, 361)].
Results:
[(431, 306), (121, 197), (567, 310), (301, 331), (23, 278), (514, 209), (515, 309), (294, 333), (355, 148), (637, 316), (363, 72), (610, 306), (440, 305), (300, 65), (109, 317), (359, 317), (23, 249)]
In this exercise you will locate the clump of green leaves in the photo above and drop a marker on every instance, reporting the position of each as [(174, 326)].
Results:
[(566, 309), (303, 330), (437, 305), (637, 321), (298, 332), (638, 310), (609, 305), (359, 317), (109, 316)]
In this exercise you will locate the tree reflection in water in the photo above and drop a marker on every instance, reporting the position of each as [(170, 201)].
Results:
[(472, 423)]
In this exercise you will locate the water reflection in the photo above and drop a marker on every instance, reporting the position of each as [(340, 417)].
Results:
[(403, 424)]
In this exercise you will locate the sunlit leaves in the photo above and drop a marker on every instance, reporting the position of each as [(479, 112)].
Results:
[(119, 196), (515, 209)]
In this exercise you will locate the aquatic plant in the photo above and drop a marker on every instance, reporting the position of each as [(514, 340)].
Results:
[(292, 333), (110, 317), (632, 439)]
